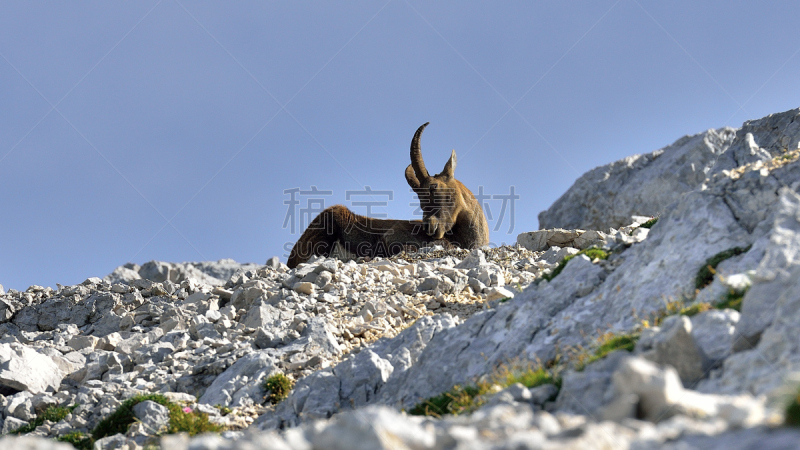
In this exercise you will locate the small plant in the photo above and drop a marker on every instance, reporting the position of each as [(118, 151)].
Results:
[(185, 420), (465, 399), (122, 417), (79, 440), (591, 252), (52, 413), (278, 387), (706, 273), (529, 377), (181, 419), (606, 344), (733, 300), (649, 223), (455, 401), (223, 410), (792, 417), (695, 309)]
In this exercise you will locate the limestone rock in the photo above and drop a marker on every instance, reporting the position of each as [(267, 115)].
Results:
[(713, 332), (153, 415), (544, 239), (675, 346), (241, 383), (590, 390), (10, 424), (607, 196), (24, 369)]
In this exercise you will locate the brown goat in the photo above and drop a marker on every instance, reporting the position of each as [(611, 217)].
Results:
[(450, 216)]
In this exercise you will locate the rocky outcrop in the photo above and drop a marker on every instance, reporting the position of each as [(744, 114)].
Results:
[(645, 185), (214, 273), (366, 340)]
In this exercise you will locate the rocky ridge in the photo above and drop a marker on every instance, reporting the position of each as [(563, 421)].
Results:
[(364, 340)]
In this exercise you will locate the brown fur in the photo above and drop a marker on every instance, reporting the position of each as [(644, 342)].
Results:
[(450, 215)]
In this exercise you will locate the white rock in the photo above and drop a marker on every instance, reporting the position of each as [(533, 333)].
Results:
[(240, 384), (674, 345), (541, 240), (153, 415), (638, 185), (304, 287), (83, 342), (10, 424), (24, 369), (497, 293)]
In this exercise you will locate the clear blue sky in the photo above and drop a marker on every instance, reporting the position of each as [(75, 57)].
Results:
[(169, 130)]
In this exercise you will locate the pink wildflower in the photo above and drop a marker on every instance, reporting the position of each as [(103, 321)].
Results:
[(187, 409)]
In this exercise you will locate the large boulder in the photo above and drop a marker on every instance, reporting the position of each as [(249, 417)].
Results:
[(24, 369)]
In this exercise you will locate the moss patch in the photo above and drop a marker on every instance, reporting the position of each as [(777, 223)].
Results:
[(706, 273)]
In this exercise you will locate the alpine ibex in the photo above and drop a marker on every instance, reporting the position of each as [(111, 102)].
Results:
[(450, 216)]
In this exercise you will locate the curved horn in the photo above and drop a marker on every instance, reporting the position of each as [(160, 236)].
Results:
[(411, 178), (416, 155)]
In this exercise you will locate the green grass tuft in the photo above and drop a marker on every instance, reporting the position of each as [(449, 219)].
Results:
[(591, 252), (531, 378), (278, 386), (706, 273), (192, 422), (733, 300), (122, 418), (606, 344), (52, 413), (455, 401), (695, 309), (465, 399), (80, 441)]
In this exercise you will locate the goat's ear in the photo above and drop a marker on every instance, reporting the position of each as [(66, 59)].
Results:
[(450, 167), (411, 178)]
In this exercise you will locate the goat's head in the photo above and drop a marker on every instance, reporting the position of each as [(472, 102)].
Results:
[(441, 196)]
